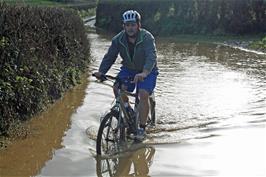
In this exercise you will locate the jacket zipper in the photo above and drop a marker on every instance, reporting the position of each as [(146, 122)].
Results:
[(131, 59)]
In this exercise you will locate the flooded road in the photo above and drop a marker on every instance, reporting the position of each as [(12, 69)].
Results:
[(211, 115), (210, 110)]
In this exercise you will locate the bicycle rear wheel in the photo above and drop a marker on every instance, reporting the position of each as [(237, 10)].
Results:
[(110, 135)]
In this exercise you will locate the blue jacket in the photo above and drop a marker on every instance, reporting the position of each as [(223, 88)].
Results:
[(144, 56)]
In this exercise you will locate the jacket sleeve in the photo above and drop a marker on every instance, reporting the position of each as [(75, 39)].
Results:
[(109, 58), (150, 53)]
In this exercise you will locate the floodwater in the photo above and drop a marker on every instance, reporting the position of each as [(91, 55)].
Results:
[(210, 111)]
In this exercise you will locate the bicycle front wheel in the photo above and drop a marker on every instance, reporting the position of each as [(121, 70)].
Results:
[(110, 134)]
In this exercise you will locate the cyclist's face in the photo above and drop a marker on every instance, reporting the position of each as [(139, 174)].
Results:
[(131, 28)]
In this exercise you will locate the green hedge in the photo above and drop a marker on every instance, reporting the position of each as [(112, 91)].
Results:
[(75, 4), (170, 17), (43, 51)]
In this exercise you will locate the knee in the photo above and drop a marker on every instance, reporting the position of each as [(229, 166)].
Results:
[(143, 95)]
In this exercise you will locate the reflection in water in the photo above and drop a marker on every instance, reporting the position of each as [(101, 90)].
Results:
[(135, 163), (25, 157)]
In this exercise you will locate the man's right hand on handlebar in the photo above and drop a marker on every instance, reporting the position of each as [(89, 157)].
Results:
[(97, 74), (100, 76)]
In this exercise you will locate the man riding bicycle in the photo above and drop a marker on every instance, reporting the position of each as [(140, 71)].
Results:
[(136, 47)]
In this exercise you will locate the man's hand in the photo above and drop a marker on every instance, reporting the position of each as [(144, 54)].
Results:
[(140, 77), (98, 75)]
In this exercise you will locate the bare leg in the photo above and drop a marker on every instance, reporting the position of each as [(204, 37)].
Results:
[(143, 106)]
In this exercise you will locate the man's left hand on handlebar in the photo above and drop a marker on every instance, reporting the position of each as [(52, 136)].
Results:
[(100, 76)]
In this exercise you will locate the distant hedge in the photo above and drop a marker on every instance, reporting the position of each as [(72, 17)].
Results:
[(170, 17), (78, 4), (259, 45), (43, 51)]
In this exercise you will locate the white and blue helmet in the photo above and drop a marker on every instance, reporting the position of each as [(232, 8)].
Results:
[(131, 16)]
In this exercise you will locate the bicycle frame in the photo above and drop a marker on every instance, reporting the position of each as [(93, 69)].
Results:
[(124, 117), (124, 123), (135, 95)]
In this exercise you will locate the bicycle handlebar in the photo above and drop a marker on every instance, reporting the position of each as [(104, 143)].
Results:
[(105, 77)]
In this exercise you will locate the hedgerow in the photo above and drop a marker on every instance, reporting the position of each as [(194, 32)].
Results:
[(43, 52)]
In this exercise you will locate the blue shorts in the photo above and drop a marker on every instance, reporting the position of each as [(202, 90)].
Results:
[(147, 84)]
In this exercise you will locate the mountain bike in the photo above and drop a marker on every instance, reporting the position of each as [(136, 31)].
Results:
[(119, 125)]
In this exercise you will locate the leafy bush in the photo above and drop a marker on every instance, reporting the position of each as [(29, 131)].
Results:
[(43, 51)]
